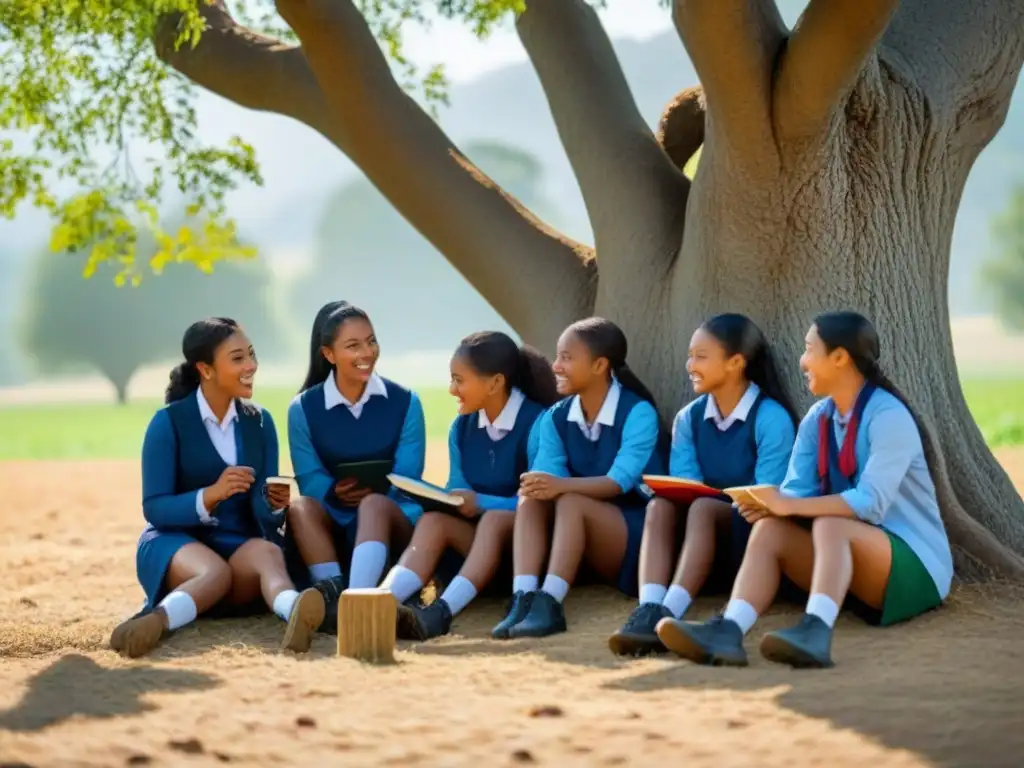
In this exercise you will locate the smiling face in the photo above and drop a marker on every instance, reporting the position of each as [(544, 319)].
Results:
[(575, 367), (471, 388), (820, 367), (233, 368), (708, 363), (354, 352)]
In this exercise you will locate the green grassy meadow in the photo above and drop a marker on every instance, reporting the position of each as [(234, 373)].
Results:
[(107, 431)]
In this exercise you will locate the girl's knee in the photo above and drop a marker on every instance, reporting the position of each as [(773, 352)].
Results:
[(304, 511), (571, 504), (375, 504), (433, 526), (496, 522), (532, 508), (705, 512), (218, 576), (829, 530), (660, 516), (768, 533), (264, 552)]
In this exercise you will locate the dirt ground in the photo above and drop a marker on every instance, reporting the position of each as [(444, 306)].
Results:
[(947, 689)]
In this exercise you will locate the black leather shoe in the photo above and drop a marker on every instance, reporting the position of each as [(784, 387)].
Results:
[(637, 637), (517, 610), (545, 617), (718, 642), (808, 645), (331, 589), (425, 623)]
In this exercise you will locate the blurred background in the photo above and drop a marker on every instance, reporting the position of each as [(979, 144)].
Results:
[(83, 363)]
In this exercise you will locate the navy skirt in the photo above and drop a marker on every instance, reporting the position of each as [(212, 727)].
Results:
[(157, 548)]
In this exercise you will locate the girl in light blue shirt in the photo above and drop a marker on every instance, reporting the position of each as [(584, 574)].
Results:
[(855, 522)]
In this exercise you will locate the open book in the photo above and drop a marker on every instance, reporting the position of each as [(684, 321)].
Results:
[(427, 495), (678, 489), (372, 475), (746, 494)]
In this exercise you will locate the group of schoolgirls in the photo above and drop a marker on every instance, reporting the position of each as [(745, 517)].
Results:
[(549, 462)]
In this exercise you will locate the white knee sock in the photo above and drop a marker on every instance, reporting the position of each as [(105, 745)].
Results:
[(180, 609), (677, 601), (525, 584), (824, 607), (402, 583), (284, 602), (324, 571), (652, 593), (741, 612), (459, 594), (368, 561), (555, 586)]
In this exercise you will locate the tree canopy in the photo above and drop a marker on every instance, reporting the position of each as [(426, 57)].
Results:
[(96, 130)]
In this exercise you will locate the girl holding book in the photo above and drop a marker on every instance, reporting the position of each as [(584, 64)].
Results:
[(206, 458), (502, 389), (346, 414), (739, 431), (855, 522), (595, 445)]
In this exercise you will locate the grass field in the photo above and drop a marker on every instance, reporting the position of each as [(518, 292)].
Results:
[(103, 431)]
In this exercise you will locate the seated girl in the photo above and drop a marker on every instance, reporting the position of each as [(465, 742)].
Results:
[(205, 460), (739, 431), (856, 520), (595, 445), (347, 413), (501, 389)]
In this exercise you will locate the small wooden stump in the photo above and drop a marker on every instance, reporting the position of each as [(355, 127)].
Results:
[(366, 625)]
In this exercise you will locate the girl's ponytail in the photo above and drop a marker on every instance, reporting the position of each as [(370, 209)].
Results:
[(535, 377)]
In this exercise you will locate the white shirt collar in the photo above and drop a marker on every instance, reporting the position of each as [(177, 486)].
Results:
[(206, 412), (506, 420), (739, 413), (334, 398), (606, 416)]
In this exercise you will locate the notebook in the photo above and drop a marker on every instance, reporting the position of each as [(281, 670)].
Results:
[(746, 494), (430, 497), (678, 489), (372, 475)]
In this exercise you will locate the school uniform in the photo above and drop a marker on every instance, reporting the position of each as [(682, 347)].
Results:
[(622, 443), (874, 458), (325, 429), (750, 446), (185, 450), (488, 459)]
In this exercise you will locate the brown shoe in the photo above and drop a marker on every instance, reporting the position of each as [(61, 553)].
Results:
[(139, 635), (307, 614)]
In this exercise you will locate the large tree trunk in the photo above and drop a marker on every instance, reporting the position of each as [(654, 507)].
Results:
[(834, 159)]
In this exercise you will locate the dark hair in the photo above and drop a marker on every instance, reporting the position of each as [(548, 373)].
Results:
[(605, 339), (492, 352), (739, 335), (856, 334), (198, 345), (326, 324)]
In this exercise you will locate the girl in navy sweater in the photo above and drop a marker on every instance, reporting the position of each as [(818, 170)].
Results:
[(205, 460), (346, 412), (739, 431), (502, 389), (595, 446)]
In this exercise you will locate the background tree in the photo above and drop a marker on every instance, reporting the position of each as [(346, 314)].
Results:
[(69, 323), (834, 158), (1005, 274), (368, 254)]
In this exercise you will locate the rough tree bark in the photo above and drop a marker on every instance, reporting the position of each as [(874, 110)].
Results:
[(834, 158)]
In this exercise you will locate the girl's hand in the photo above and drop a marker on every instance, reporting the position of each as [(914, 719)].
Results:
[(279, 495), (752, 512), (470, 507), (349, 493), (232, 480), (774, 502), (540, 486)]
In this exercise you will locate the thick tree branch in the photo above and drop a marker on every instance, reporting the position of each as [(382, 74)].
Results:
[(635, 196), (965, 55), (824, 57), (733, 45), (242, 66), (536, 279)]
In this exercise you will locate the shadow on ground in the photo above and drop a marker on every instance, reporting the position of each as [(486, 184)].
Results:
[(77, 686)]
